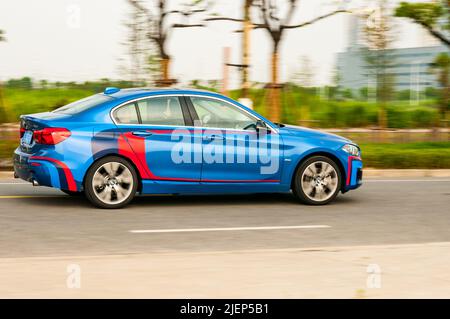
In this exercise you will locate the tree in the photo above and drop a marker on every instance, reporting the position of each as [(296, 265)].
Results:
[(25, 83), (275, 25), (43, 84), (137, 45), (442, 67), (2, 36), (246, 29), (159, 26), (378, 36), (429, 15)]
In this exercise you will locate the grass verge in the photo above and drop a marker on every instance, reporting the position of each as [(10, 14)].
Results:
[(435, 155), (424, 155)]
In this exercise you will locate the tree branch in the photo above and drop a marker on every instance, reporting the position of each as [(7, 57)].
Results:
[(437, 34), (254, 27), (224, 19), (184, 13), (293, 4), (314, 20), (263, 10), (141, 8), (181, 25)]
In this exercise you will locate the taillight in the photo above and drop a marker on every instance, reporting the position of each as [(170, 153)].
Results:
[(22, 131), (51, 135)]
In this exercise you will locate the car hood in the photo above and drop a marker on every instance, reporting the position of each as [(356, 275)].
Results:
[(310, 133)]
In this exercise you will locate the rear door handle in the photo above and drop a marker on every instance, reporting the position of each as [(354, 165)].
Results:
[(142, 133)]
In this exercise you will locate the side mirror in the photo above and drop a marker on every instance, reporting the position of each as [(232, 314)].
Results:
[(262, 126)]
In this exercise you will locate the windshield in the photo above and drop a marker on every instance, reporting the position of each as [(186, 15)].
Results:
[(83, 104)]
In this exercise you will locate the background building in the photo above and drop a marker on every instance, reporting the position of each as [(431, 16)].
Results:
[(409, 67)]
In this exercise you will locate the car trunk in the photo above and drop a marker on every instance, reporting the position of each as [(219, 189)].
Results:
[(34, 122)]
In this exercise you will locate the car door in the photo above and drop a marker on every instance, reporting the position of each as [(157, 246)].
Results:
[(156, 129), (234, 149)]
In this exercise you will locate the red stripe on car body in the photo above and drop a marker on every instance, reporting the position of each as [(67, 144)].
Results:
[(133, 147), (71, 184), (349, 167)]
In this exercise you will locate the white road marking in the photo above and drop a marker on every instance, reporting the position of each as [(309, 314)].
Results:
[(184, 230), (31, 196), (16, 184)]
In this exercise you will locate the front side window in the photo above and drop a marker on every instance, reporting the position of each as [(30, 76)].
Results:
[(126, 114), (219, 114), (161, 111)]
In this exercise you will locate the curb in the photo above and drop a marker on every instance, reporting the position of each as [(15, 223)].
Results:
[(373, 173), (368, 173)]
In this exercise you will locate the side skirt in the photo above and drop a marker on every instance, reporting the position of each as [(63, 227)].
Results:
[(175, 187)]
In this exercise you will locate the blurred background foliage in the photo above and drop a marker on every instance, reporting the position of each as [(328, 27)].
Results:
[(314, 107)]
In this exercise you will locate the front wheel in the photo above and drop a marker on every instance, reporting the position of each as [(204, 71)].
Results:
[(111, 183), (317, 181)]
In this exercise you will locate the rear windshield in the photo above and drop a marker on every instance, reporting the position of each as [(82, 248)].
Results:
[(83, 104)]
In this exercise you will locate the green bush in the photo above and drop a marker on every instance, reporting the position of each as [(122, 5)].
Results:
[(423, 117), (397, 117), (409, 155), (19, 101), (298, 104)]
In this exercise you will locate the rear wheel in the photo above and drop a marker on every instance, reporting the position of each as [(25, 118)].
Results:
[(111, 183), (317, 181)]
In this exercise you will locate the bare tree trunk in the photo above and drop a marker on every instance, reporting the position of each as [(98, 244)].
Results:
[(382, 117), (165, 79), (226, 61), (246, 48), (274, 112), (165, 64)]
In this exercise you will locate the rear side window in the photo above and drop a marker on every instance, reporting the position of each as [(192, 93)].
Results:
[(83, 104), (126, 114), (161, 111)]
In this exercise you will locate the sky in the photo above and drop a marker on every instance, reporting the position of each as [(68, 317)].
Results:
[(79, 40)]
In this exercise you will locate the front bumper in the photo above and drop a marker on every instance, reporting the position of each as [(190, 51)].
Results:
[(354, 173)]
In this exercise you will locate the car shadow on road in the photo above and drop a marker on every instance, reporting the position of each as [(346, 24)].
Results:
[(208, 200), (275, 199)]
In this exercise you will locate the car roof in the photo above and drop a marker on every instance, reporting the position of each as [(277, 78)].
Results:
[(131, 92)]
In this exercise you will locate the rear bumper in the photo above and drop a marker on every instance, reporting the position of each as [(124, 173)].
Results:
[(45, 171), (22, 167)]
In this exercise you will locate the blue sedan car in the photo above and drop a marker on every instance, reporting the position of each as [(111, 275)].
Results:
[(113, 145)]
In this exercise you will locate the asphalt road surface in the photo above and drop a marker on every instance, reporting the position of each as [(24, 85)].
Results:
[(39, 221)]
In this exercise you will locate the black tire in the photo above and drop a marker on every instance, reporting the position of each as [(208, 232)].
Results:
[(71, 193), (299, 191), (91, 193)]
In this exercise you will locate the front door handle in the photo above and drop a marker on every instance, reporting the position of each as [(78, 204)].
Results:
[(142, 133), (214, 137)]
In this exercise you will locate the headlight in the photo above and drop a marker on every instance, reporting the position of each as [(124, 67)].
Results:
[(352, 149)]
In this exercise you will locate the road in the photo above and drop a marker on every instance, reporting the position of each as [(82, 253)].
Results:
[(39, 221)]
